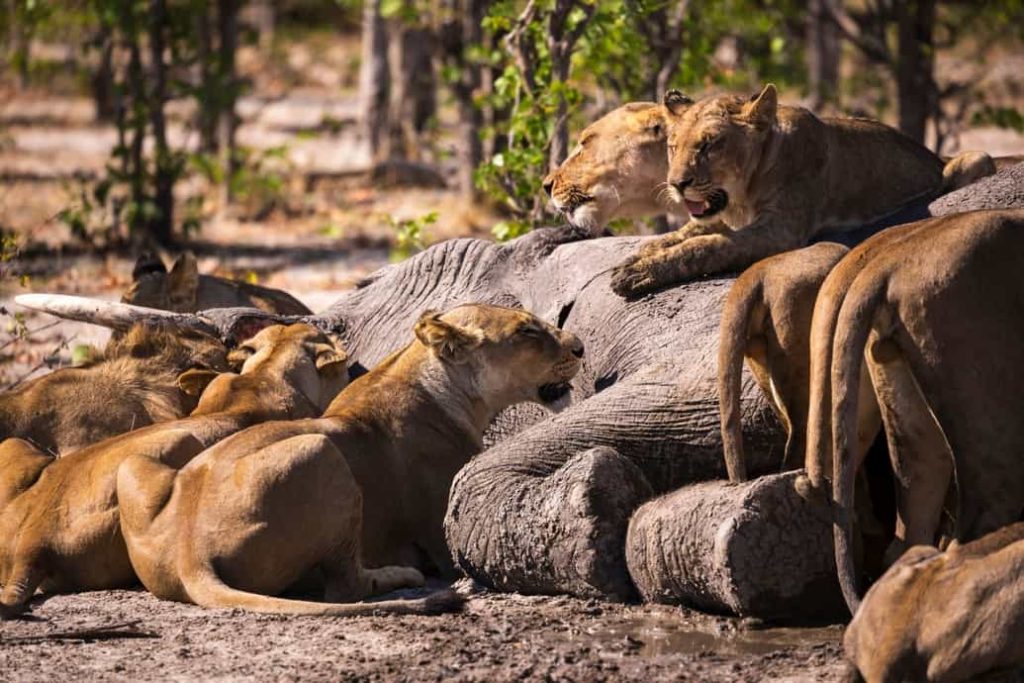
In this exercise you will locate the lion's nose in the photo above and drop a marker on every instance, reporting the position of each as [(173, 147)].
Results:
[(683, 183), (577, 348), (548, 185)]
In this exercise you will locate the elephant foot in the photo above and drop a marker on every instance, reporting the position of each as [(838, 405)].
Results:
[(561, 534), (755, 549)]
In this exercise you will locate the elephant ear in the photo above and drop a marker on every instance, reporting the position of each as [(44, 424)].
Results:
[(446, 340)]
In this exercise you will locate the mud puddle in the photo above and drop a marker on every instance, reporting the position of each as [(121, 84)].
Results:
[(658, 635)]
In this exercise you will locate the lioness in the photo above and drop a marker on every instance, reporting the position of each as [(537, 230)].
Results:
[(617, 170), (184, 290), (133, 384), (939, 308), (943, 617), (767, 319), (367, 481), (758, 179), (59, 522)]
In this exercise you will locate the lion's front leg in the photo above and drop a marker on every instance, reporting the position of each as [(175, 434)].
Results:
[(691, 229), (717, 251)]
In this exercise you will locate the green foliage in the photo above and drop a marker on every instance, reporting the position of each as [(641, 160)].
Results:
[(620, 51), (1003, 117), (410, 237)]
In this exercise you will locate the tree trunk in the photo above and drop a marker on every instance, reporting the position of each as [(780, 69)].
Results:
[(208, 101), (915, 66), (456, 38), (103, 79), (412, 102), (374, 80), (161, 224), (262, 14), (134, 119), (227, 30), (822, 56)]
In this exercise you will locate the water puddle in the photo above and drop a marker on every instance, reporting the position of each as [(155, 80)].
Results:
[(655, 636)]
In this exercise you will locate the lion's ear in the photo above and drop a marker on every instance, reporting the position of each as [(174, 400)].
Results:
[(449, 342), (676, 102), (183, 282), (330, 357), (195, 380), (760, 111), (148, 262)]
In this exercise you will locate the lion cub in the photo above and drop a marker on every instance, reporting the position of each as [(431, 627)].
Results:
[(59, 525), (367, 481), (759, 179), (943, 617)]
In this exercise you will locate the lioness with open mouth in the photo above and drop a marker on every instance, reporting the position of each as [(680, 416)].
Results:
[(59, 521), (367, 482), (758, 179)]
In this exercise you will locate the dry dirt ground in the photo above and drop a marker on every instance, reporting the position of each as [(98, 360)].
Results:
[(496, 638)]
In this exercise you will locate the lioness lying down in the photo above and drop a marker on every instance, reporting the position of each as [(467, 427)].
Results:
[(59, 522), (134, 384), (367, 483), (759, 179), (943, 617)]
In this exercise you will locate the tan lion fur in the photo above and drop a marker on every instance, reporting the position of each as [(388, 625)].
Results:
[(936, 305), (59, 520), (766, 320), (132, 385), (943, 617), (767, 178), (616, 170), (365, 485)]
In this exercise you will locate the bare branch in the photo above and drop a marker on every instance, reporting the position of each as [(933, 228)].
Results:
[(871, 46)]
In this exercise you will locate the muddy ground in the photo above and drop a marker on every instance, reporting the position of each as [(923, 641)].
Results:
[(495, 638)]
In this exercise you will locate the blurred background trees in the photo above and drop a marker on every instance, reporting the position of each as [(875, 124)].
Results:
[(483, 96)]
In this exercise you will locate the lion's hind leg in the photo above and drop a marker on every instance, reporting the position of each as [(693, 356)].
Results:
[(921, 458)]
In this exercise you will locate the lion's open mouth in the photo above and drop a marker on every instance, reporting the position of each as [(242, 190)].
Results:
[(550, 393), (708, 205)]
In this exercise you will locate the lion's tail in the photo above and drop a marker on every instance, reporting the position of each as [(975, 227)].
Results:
[(859, 310), (732, 342), (206, 589), (819, 413)]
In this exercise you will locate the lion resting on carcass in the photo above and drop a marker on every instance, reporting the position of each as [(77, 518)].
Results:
[(758, 179)]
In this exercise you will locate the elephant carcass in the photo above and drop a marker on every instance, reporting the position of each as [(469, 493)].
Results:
[(645, 400), (546, 511), (756, 548)]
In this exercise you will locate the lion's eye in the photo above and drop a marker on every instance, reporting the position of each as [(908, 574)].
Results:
[(531, 331)]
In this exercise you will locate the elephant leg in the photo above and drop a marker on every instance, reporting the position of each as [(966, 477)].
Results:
[(547, 510), (562, 534), (921, 459)]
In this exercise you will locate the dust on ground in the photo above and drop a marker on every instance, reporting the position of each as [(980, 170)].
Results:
[(498, 637)]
